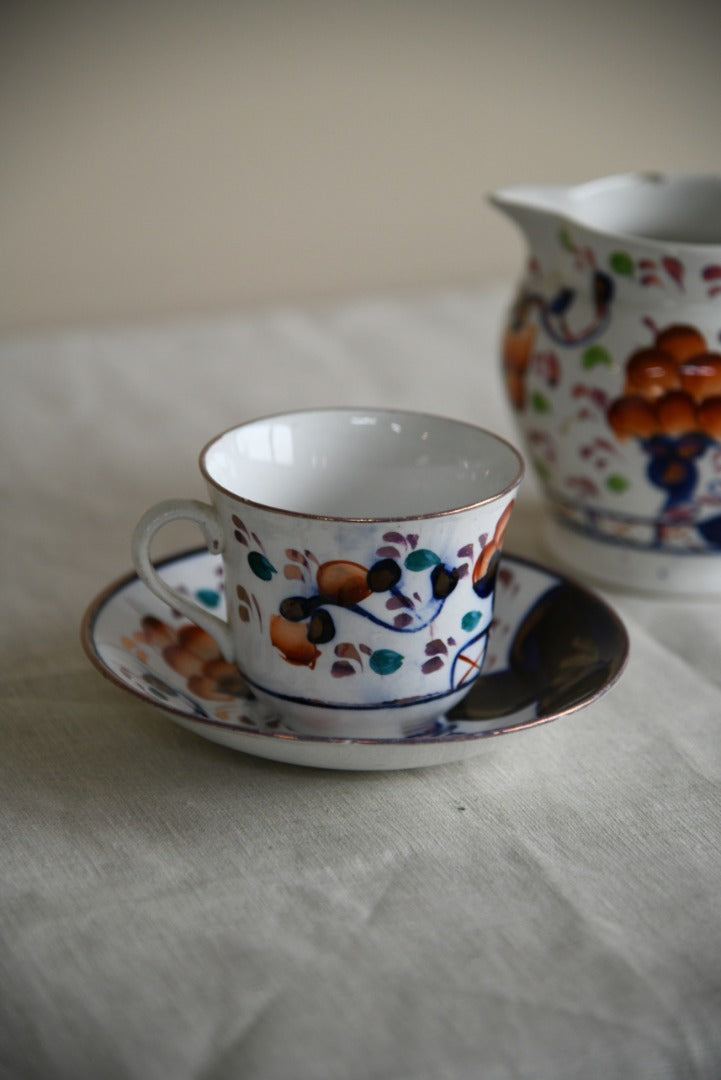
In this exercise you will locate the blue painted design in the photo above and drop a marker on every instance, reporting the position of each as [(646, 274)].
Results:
[(385, 661), (470, 621), (209, 597), (261, 566)]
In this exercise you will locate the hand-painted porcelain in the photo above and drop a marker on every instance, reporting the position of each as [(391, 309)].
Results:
[(360, 549), (612, 362), (554, 647)]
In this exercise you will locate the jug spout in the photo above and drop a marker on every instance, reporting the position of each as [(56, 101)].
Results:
[(531, 198), (535, 209)]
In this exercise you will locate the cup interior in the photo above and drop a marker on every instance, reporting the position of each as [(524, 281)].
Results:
[(361, 464)]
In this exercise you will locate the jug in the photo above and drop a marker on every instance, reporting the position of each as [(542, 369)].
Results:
[(611, 356)]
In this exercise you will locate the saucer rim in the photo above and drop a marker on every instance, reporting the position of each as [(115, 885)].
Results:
[(115, 587)]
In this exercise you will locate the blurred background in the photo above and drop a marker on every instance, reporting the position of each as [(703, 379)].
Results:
[(164, 157)]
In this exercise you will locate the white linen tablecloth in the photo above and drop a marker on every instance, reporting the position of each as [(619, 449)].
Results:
[(172, 909)]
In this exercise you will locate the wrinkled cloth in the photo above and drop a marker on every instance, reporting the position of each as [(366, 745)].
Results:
[(549, 909)]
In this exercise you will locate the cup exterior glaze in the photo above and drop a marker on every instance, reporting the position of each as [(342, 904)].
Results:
[(360, 626), (611, 354), (350, 627)]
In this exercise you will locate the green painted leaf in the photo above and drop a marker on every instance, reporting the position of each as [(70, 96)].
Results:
[(542, 469), (470, 620), (209, 597), (564, 239), (617, 483), (385, 661), (421, 559), (540, 402), (595, 355), (260, 566), (621, 263)]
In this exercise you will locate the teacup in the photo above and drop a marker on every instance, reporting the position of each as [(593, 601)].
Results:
[(360, 550)]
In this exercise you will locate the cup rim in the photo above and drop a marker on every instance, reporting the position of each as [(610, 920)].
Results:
[(377, 410)]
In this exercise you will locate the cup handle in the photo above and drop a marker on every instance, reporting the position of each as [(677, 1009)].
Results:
[(207, 518)]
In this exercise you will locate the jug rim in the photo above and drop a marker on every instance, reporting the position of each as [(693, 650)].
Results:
[(671, 190)]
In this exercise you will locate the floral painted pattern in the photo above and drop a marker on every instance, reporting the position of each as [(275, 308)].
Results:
[(409, 584), (176, 665), (627, 441)]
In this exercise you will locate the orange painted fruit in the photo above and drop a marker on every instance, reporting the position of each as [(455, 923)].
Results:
[(291, 639), (676, 413), (651, 372), (632, 416), (342, 581), (182, 660), (681, 341), (709, 417), (517, 347), (701, 375), (493, 546), (198, 642)]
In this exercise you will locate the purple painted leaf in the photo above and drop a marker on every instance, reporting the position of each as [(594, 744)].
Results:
[(466, 552), (433, 648), (674, 269), (462, 570), (241, 537), (711, 272), (341, 669), (432, 665), (398, 601), (348, 651), (412, 539), (394, 538), (389, 553), (365, 649), (401, 621)]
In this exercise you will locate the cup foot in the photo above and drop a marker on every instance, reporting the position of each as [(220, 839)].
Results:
[(400, 721)]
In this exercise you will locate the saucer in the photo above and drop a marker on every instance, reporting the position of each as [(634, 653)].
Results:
[(554, 647)]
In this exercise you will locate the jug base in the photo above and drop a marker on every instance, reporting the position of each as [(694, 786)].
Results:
[(610, 563)]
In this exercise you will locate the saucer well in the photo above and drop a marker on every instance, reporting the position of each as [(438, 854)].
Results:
[(554, 647)]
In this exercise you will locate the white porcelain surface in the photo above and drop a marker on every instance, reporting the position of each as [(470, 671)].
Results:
[(136, 641), (652, 572), (361, 463)]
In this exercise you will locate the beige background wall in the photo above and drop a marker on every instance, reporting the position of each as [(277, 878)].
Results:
[(160, 157)]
